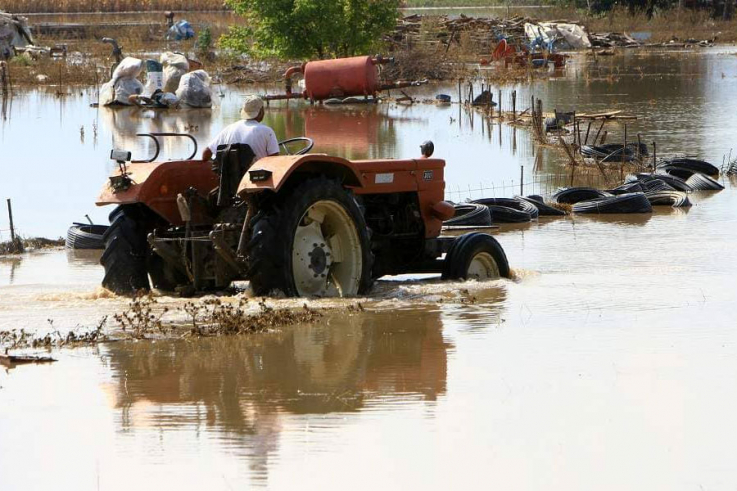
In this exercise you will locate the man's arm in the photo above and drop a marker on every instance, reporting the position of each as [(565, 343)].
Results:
[(272, 147)]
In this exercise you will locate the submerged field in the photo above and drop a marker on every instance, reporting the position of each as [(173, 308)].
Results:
[(608, 363)]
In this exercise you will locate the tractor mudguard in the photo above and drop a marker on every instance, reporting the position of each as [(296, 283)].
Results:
[(157, 184), (271, 173)]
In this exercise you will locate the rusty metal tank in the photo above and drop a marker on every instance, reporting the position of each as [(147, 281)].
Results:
[(343, 77)]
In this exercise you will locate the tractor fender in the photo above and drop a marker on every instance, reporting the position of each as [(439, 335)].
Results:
[(157, 184), (271, 173)]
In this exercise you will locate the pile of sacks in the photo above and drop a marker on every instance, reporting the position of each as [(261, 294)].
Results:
[(169, 83)]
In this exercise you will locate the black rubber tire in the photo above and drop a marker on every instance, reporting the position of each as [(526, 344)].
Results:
[(463, 250), (629, 187), (543, 209), (693, 165), (85, 236), (126, 252), (516, 203), (624, 203), (674, 170), (269, 252), (702, 182), (509, 210), (672, 181), (572, 196), (676, 199), (654, 185), (470, 214)]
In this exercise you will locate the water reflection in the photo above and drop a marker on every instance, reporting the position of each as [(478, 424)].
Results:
[(243, 388), (83, 257), (126, 122)]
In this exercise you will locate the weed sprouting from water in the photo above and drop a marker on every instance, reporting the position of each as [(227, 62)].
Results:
[(208, 317), (22, 339), (140, 318)]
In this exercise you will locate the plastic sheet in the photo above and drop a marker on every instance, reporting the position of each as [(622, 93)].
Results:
[(194, 89), (179, 31), (175, 65)]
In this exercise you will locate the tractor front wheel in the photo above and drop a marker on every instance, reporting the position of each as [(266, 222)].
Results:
[(312, 241), (475, 256)]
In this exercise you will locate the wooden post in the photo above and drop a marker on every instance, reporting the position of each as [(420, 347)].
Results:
[(603, 121), (521, 179), (624, 148), (603, 137), (540, 129), (588, 128), (460, 96), (514, 105), (655, 153), (639, 156), (10, 218), (500, 103)]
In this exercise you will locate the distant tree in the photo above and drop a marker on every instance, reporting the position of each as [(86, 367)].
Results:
[(309, 28)]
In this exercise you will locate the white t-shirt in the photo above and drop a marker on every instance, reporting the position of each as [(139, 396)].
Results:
[(260, 137)]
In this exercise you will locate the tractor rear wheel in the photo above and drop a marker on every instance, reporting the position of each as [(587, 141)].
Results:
[(475, 256), (311, 241), (126, 251), (128, 259)]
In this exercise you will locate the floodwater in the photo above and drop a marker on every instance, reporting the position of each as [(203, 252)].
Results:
[(609, 364)]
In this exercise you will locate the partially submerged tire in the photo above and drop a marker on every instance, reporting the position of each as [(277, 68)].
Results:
[(470, 214), (624, 203), (629, 187), (507, 210), (475, 256), (655, 185), (676, 199), (542, 208), (85, 236), (675, 182), (572, 196), (701, 182), (694, 165), (311, 241), (126, 251)]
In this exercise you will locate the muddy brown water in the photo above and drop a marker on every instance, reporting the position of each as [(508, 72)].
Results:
[(609, 364)]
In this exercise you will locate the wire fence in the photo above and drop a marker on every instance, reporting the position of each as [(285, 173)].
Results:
[(543, 185)]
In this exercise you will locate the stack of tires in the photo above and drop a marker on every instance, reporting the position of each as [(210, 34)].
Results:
[(488, 211)]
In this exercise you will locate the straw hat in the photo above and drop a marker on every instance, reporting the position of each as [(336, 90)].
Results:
[(252, 106)]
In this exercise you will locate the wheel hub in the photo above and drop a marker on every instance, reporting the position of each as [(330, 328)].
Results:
[(320, 259)]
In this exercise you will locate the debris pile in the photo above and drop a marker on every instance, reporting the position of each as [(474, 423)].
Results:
[(14, 34), (443, 31), (613, 40), (482, 34), (169, 83)]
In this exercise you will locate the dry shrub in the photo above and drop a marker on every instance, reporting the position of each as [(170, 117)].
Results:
[(421, 62)]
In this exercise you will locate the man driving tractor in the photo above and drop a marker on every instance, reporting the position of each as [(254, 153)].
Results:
[(249, 130)]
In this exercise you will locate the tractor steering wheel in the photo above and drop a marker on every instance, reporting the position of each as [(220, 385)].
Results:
[(308, 144)]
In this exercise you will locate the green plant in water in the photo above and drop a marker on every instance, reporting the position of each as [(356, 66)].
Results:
[(203, 46)]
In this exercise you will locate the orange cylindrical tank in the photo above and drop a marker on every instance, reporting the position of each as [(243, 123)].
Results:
[(343, 77)]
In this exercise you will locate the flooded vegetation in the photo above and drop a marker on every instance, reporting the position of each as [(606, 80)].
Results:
[(606, 362)]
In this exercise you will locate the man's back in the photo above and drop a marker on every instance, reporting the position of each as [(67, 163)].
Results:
[(259, 137)]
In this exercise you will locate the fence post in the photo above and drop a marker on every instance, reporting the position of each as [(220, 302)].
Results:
[(521, 179), (514, 105), (10, 218)]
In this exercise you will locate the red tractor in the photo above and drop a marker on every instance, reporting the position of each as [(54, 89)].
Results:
[(303, 224)]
